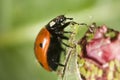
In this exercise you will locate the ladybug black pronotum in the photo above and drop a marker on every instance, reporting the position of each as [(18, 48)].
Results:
[(48, 42)]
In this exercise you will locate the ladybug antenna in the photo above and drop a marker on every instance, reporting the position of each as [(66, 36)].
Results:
[(70, 18)]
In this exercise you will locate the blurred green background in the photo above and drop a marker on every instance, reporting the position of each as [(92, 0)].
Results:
[(21, 20)]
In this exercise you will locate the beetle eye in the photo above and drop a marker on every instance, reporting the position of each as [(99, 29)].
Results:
[(41, 45)]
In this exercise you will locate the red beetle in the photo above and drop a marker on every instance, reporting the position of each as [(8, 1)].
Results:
[(48, 42)]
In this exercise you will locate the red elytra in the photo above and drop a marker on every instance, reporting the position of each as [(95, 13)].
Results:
[(41, 52)]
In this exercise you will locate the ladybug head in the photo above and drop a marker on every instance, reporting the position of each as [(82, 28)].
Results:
[(61, 19), (57, 24)]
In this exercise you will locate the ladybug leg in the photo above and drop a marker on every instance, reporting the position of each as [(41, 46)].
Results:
[(63, 37), (65, 25), (83, 24), (67, 32), (62, 32), (59, 64), (68, 23), (65, 44), (70, 18), (60, 39)]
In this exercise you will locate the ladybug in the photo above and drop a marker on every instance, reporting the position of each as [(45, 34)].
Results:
[(48, 45)]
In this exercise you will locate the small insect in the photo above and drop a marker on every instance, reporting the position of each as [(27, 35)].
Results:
[(48, 45)]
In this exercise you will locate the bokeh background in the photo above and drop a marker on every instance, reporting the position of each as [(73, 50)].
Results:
[(21, 20)]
